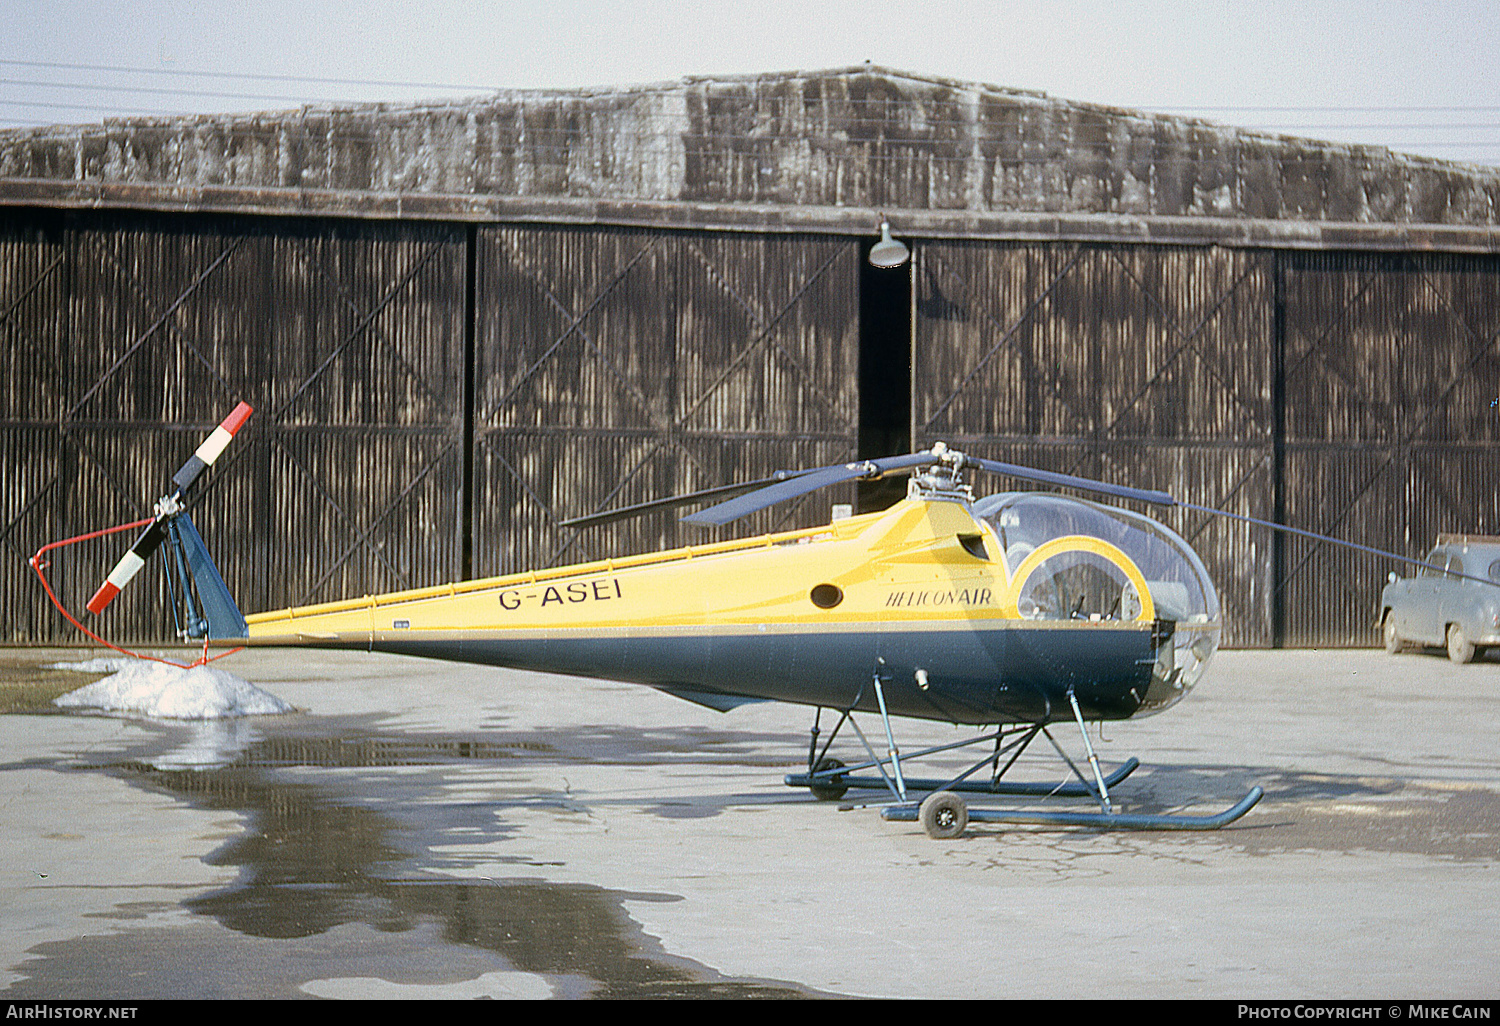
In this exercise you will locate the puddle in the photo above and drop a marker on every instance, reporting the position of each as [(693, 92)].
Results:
[(322, 859)]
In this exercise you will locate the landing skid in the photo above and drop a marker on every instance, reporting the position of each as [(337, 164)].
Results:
[(948, 825), (943, 813)]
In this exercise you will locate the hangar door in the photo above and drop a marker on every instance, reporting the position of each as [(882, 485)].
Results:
[(615, 366), (1147, 366), (1391, 432), (128, 337)]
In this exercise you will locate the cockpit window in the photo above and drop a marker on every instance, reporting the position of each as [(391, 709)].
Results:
[(1076, 585), (1179, 584), (1084, 582)]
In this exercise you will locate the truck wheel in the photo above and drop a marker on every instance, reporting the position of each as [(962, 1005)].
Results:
[(1393, 642), (1460, 648)]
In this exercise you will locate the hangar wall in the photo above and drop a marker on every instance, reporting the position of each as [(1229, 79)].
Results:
[(782, 150), (1348, 394), (1390, 371), (463, 322), (128, 336), (433, 398), (1151, 366), (618, 366)]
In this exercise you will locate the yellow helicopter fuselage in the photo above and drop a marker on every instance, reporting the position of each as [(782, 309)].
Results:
[(921, 594)]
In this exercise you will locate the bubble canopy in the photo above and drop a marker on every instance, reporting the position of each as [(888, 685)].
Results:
[(1059, 580)]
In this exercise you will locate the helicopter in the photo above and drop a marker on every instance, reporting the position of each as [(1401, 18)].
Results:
[(1014, 613)]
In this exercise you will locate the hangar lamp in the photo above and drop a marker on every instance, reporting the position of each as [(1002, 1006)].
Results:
[(888, 252)]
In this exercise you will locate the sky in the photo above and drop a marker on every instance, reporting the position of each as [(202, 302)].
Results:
[(1418, 77)]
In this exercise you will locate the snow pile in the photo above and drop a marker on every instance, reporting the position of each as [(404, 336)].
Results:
[(103, 664), (162, 691)]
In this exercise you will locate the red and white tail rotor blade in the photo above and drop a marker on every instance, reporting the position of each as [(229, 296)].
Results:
[(212, 446), (129, 565), (151, 538)]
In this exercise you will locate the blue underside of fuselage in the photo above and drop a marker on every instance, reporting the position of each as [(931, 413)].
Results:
[(971, 675)]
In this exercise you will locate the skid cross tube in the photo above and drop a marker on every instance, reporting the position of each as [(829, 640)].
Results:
[(878, 764), (1000, 771), (815, 777), (844, 776), (814, 757)]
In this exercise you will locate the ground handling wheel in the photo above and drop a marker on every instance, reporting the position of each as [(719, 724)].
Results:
[(943, 815), (833, 788)]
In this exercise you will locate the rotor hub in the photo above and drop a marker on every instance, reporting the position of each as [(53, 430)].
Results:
[(941, 480)]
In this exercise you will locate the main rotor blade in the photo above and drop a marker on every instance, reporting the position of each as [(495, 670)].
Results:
[(1083, 484), (656, 505), (1315, 536), (810, 481), (1166, 499)]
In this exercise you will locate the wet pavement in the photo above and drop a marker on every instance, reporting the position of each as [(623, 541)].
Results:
[(425, 830)]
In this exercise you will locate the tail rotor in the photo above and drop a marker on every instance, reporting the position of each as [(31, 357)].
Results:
[(168, 509)]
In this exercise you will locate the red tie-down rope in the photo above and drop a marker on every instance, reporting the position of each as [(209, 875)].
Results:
[(40, 564)]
